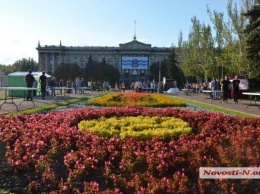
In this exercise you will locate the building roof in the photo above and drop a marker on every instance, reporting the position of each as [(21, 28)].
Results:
[(132, 45), (24, 73)]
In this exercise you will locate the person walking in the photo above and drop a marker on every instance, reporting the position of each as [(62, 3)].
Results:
[(225, 88), (235, 85), (43, 81), (29, 78)]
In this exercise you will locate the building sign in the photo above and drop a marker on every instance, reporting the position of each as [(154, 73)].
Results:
[(134, 62)]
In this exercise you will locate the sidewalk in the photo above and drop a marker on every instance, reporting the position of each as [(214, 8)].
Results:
[(10, 107), (240, 106)]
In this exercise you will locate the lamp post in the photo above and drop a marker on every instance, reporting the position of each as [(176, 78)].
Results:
[(159, 82), (222, 72)]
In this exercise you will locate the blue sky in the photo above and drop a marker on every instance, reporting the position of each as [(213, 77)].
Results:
[(96, 23)]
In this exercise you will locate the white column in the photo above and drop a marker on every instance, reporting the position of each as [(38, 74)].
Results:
[(39, 62)]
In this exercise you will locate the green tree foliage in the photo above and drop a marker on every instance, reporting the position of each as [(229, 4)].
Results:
[(183, 54), (89, 68), (20, 65), (154, 70), (94, 71), (6, 69), (97, 71), (24, 65), (104, 72), (174, 70), (253, 39), (103, 61), (204, 55), (237, 45), (199, 52), (67, 71)]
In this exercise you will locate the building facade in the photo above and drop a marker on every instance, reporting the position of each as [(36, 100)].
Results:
[(132, 59)]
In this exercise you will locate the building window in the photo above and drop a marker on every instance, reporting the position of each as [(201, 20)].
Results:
[(142, 71)]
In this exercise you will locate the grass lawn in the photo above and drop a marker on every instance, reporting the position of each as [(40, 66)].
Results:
[(215, 107), (2, 94)]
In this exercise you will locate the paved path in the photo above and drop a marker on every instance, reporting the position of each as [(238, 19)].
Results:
[(253, 110), (8, 107), (240, 106)]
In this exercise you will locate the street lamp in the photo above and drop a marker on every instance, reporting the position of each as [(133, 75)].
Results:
[(159, 82), (222, 72)]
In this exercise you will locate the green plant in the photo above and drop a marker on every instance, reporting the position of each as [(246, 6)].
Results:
[(4, 192), (51, 106)]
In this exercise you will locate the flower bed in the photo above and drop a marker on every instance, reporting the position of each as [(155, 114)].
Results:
[(54, 156), (140, 127), (136, 99)]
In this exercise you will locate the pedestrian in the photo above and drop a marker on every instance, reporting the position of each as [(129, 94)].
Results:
[(61, 84), (225, 88), (123, 86), (53, 85), (69, 85), (152, 86), (235, 85), (213, 84), (29, 78), (35, 84), (82, 85), (77, 85), (43, 81)]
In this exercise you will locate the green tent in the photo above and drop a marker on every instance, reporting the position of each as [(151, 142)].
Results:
[(17, 79)]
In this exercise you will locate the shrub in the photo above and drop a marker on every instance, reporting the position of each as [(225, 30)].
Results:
[(136, 99), (141, 127)]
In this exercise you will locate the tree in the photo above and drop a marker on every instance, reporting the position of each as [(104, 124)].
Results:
[(67, 71), (110, 74), (237, 45), (105, 72), (199, 52), (6, 69), (253, 39), (103, 61), (204, 55), (89, 68), (154, 70), (24, 65), (174, 70)]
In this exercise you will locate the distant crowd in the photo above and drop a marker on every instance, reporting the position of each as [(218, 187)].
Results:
[(79, 85), (224, 85)]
